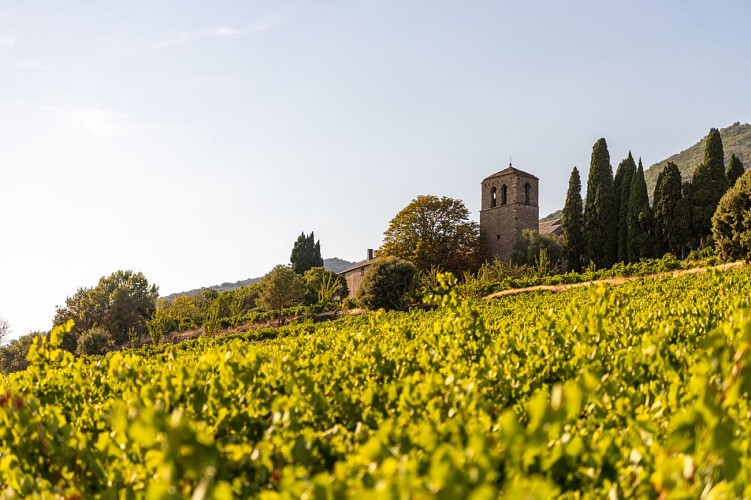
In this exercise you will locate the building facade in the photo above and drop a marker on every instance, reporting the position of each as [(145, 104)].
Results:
[(509, 205), (354, 274)]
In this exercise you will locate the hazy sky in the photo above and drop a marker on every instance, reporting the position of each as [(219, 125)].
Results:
[(194, 141)]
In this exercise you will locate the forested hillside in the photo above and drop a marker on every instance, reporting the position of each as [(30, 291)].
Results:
[(735, 139)]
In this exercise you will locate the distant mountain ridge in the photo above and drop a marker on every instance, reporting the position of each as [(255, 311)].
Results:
[(333, 264), (735, 139)]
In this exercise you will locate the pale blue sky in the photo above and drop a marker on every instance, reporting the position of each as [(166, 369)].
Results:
[(193, 141)]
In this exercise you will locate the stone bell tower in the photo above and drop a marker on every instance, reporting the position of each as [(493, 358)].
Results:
[(509, 205)]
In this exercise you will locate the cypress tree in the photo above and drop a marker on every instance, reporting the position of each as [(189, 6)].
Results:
[(734, 171), (599, 209), (685, 222), (572, 223), (622, 185), (709, 184), (306, 253), (640, 240), (667, 207)]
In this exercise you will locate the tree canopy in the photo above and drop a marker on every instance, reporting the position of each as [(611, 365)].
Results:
[(281, 288), (731, 223), (387, 284), (622, 194), (434, 232), (734, 171), (669, 220), (119, 303), (600, 219), (306, 253), (639, 222), (572, 223), (709, 184)]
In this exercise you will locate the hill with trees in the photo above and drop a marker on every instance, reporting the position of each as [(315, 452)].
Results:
[(333, 264), (736, 139)]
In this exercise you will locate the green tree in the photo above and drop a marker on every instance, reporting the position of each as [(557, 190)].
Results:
[(324, 286), (306, 253), (731, 223), (387, 284), (685, 221), (669, 233), (434, 232), (95, 341), (734, 171), (572, 223), (121, 301), (160, 325), (640, 232), (281, 287), (709, 184), (600, 219), (13, 355), (622, 187), (526, 249)]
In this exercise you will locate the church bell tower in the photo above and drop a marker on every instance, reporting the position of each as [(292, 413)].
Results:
[(509, 205)]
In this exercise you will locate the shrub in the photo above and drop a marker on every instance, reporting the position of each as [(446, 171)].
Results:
[(387, 284), (95, 340), (731, 223)]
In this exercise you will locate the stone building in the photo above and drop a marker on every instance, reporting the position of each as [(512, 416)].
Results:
[(356, 272), (509, 205)]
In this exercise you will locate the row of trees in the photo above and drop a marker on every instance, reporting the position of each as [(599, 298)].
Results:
[(616, 222)]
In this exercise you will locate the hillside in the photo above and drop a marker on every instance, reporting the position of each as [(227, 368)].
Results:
[(333, 264), (735, 139)]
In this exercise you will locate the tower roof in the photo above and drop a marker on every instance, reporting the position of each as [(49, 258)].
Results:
[(510, 170)]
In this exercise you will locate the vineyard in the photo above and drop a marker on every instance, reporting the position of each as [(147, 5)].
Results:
[(637, 390)]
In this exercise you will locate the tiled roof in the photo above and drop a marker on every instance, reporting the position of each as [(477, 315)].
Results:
[(512, 170)]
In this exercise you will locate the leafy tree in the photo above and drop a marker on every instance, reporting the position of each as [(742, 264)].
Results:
[(434, 232), (160, 325), (281, 287), (184, 313), (387, 284), (669, 232), (640, 232), (599, 209), (120, 302), (572, 223), (731, 223), (324, 286), (13, 355), (734, 171), (709, 184), (306, 253), (622, 187), (526, 249), (94, 341)]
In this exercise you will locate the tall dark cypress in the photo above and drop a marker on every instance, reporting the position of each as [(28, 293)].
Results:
[(640, 240), (685, 221), (709, 184), (572, 223), (599, 209), (667, 211), (622, 185), (306, 253), (734, 171)]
